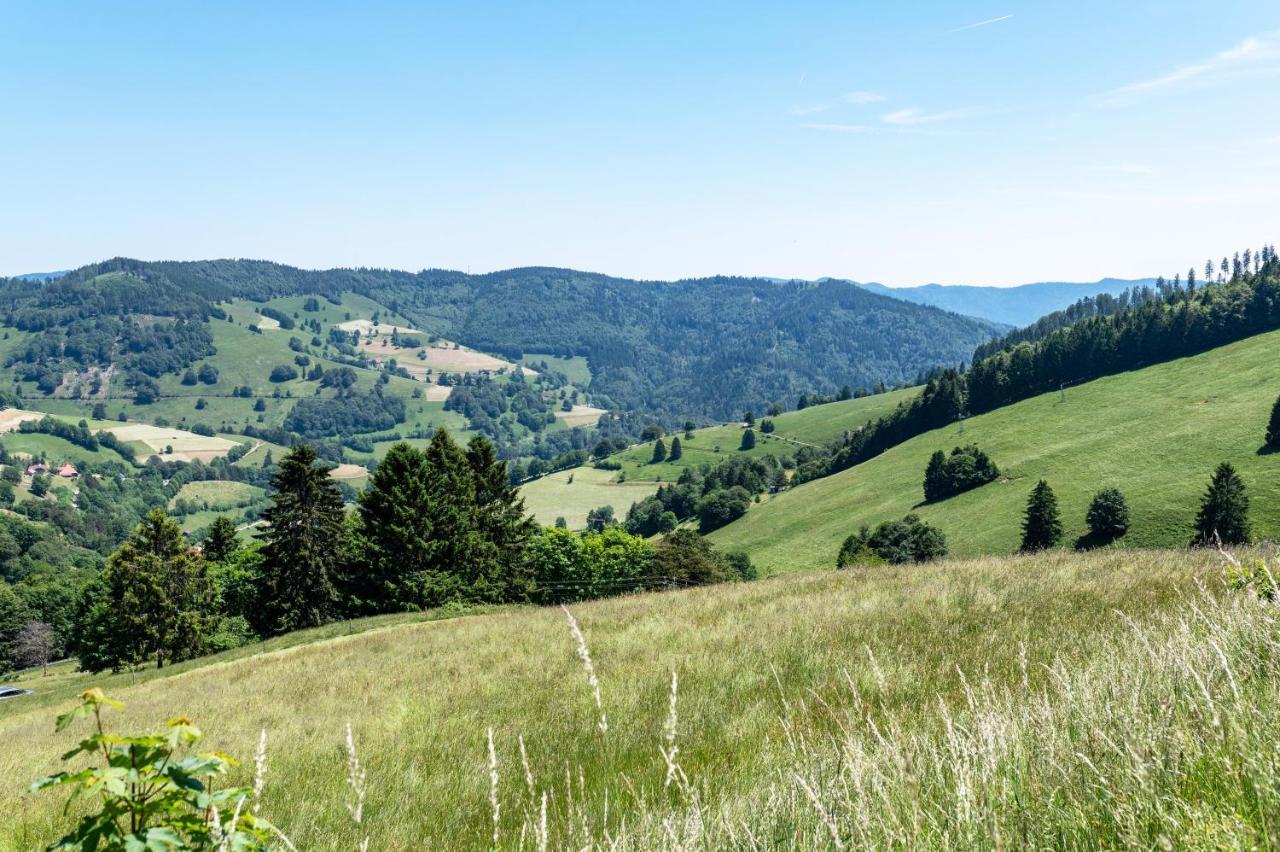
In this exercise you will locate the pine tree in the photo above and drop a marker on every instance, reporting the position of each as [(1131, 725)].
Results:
[(158, 598), (1273, 426), (1224, 513), (220, 542), (748, 440), (676, 450), (934, 476), (395, 532), (659, 452), (455, 544), (1108, 515), (301, 557), (504, 527), (1041, 527)]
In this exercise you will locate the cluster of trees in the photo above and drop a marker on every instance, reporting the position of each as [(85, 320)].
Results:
[(966, 468), (348, 413), (436, 525), (893, 542), (1223, 517), (611, 561), (76, 433), (1181, 321), (714, 495), (486, 402)]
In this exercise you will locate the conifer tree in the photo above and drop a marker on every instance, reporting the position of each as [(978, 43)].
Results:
[(659, 452), (1041, 527), (220, 543), (454, 545), (1224, 513), (934, 473), (676, 450), (395, 532), (1108, 515), (157, 601), (503, 525), (301, 557), (1273, 427), (748, 440)]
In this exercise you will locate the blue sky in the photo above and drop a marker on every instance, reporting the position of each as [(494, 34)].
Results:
[(989, 142)]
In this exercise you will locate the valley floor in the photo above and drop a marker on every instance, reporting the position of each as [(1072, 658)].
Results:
[(1106, 699)]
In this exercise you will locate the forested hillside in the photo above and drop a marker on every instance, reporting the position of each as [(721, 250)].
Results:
[(705, 348), (1178, 320)]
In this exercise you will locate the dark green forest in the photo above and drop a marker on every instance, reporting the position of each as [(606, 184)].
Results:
[(706, 348)]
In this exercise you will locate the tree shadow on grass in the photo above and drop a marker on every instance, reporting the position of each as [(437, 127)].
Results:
[(1092, 541), (1267, 450)]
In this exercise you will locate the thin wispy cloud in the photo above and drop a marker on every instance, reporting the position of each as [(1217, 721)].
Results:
[(863, 98), (1254, 52), (985, 23), (912, 116)]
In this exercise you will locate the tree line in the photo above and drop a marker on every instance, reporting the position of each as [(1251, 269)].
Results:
[(435, 526), (1183, 321)]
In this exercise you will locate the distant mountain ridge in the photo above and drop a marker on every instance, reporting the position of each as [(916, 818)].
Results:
[(1015, 306)]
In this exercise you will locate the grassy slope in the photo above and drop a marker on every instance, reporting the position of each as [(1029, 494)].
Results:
[(751, 659), (1155, 433), (553, 495)]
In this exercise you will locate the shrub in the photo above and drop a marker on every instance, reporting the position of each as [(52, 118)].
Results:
[(283, 373), (896, 542), (154, 793)]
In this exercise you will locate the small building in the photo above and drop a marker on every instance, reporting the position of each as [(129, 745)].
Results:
[(67, 471), (37, 468)]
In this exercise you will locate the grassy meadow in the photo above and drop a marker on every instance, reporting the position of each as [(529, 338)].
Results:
[(1112, 698), (1155, 433), (554, 496)]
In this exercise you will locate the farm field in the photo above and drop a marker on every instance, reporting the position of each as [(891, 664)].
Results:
[(56, 449), (217, 494), (12, 418), (553, 495), (581, 415), (147, 440), (1155, 433), (786, 680)]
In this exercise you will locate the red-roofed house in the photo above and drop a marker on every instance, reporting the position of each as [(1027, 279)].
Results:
[(38, 467), (68, 472)]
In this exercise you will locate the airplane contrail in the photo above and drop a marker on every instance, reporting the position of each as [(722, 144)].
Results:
[(985, 23)]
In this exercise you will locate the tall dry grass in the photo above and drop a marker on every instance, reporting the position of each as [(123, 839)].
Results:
[(1104, 700)]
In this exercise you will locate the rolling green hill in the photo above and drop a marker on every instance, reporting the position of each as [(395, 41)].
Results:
[(776, 679), (1155, 433), (554, 495)]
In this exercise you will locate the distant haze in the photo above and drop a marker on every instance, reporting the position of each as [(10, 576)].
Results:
[(1016, 306)]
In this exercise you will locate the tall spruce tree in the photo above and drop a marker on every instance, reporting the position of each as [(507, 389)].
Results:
[(395, 528), (302, 554), (454, 545), (157, 600), (1224, 512), (659, 452), (220, 543), (748, 440), (1273, 427), (677, 450), (504, 528), (935, 476), (1041, 527)]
